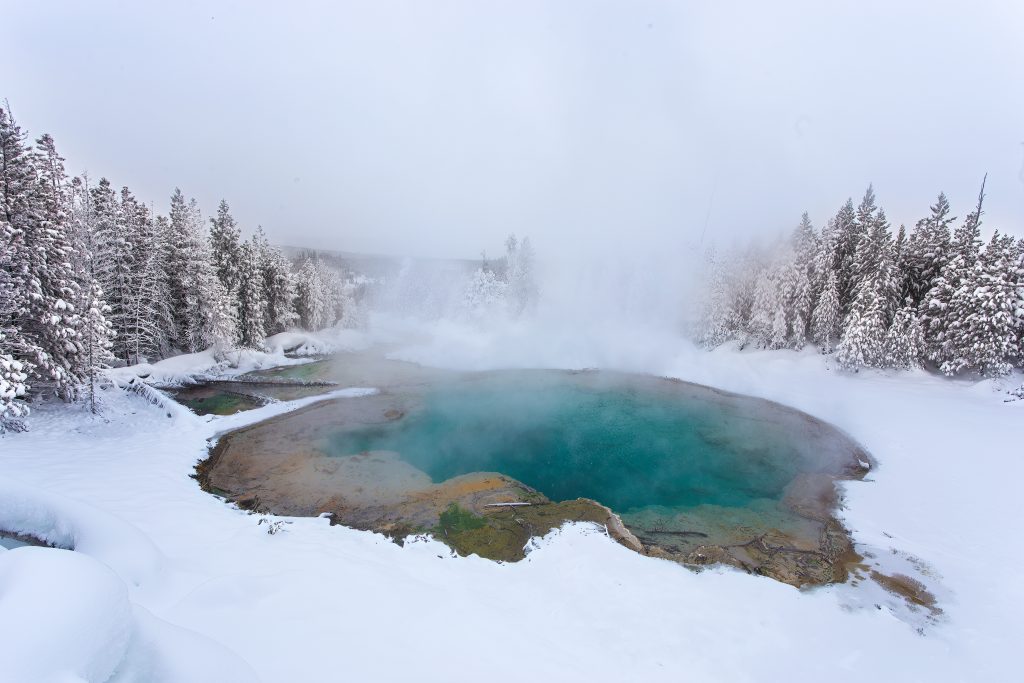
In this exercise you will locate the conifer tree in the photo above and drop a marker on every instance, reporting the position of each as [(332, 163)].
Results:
[(900, 266), (864, 331), (251, 305), (824, 259), (308, 301), (944, 303), (847, 231), (797, 282), (1018, 275), (986, 336), (322, 298), (927, 249), (212, 315), (856, 348), (18, 212), (114, 261), (904, 342), (195, 291), (863, 341), (177, 243), (12, 372), (43, 328), (340, 306), (163, 282), (97, 333), (825, 321), (872, 237), (278, 288), (147, 313), (61, 285), (720, 319), (768, 314), (519, 269), (225, 245), (484, 293), (220, 324)]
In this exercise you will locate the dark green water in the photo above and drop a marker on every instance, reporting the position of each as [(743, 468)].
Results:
[(214, 400), (627, 444)]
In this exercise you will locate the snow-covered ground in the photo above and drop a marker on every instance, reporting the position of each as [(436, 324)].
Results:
[(169, 583), (286, 348)]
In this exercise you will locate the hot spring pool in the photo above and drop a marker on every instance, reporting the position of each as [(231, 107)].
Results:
[(628, 447), (695, 474)]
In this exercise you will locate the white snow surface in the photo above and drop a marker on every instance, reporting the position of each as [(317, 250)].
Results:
[(298, 344), (168, 583)]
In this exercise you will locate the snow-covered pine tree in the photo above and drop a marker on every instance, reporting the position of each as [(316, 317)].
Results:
[(720, 321), (62, 285), (147, 314), (904, 342), (97, 333), (351, 315), (213, 313), (868, 247), (768, 314), (280, 292), (308, 297), (864, 330), (779, 329), (43, 334), (278, 287), (900, 266), (220, 324), (847, 230), (519, 272), (12, 372), (927, 249), (746, 269), (484, 293), (194, 290), (162, 272), (12, 389), (797, 280), (824, 259), (322, 297), (80, 226), (225, 245), (1018, 305), (942, 309), (178, 257), (826, 320), (862, 342), (114, 262), (338, 295), (251, 305), (886, 272), (986, 336)]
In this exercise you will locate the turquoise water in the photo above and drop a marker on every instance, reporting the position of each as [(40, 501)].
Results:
[(627, 444)]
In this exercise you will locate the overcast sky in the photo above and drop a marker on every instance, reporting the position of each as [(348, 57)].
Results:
[(435, 128)]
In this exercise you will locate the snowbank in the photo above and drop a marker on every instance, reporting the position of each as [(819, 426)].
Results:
[(78, 526), (67, 617), (332, 340), (191, 367), (63, 617)]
